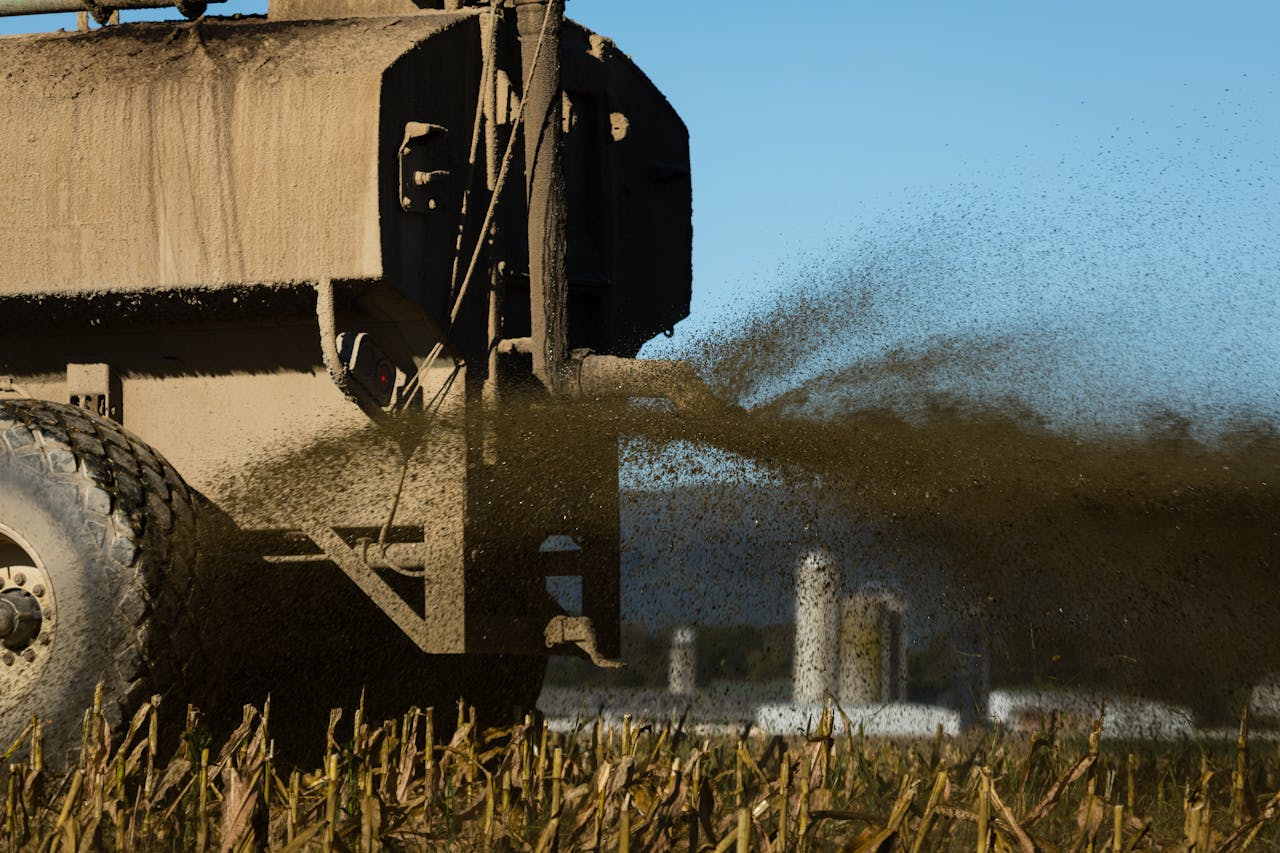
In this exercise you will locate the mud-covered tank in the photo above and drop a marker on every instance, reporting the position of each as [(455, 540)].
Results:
[(286, 287)]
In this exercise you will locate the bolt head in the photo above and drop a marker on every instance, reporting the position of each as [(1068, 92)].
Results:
[(29, 655), (38, 590), (44, 640), (19, 578), (8, 658)]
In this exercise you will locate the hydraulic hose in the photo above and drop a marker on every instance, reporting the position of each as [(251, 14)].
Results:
[(100, 9)]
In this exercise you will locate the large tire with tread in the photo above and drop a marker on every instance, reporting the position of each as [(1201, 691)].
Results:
[(113, 528)]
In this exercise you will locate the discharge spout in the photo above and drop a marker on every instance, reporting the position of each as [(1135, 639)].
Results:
[(677, 381)]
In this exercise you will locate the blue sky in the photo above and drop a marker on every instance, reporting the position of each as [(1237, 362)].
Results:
[(1094, 187), (1094, 184), (809, 126)]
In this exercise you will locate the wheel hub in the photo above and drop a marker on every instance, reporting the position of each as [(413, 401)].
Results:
[(27, 613), (20, 618)]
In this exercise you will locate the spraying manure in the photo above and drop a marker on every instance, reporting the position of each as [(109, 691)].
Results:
[(1034, 425), (321, 417)]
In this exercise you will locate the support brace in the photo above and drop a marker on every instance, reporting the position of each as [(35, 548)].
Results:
[(431, 635)]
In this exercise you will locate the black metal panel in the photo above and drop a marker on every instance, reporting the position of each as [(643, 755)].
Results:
[(630, 200), (437, 83)]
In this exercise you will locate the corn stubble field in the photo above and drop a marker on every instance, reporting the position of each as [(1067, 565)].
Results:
[(636, 786)]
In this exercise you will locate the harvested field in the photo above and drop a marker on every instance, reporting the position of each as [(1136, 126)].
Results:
[(638, 786)]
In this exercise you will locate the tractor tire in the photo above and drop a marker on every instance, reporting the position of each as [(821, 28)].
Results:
[(99, 534)]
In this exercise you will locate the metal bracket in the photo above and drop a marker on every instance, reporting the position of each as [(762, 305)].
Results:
[(95, 387), (431, 636), (421, 153), (578, 631)]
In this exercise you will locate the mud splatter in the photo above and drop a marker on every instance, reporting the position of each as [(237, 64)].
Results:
[(1060, 421)]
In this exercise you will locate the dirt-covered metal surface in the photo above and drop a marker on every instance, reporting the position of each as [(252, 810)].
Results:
[(217, 152)]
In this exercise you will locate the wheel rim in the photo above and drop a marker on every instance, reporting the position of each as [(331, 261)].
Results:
[(28, 611)]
